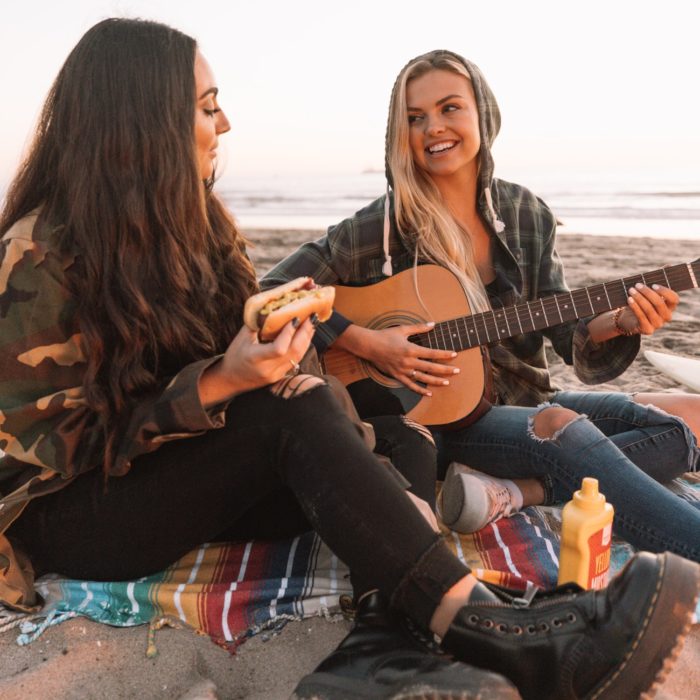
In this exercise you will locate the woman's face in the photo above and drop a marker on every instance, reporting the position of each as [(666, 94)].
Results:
[(443, 124), (209, 120)]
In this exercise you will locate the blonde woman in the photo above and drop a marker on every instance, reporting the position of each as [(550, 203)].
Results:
[(498, 239)]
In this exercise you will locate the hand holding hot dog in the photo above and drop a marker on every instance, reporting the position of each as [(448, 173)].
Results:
[(270, 344), (249, 364)]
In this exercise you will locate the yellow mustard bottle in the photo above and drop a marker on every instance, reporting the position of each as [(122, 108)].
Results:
[(586, 532)]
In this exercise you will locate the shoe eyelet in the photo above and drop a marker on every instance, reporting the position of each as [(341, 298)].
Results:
[(488, 624), (516, 629), (571, 617), (502, 628), (531, 629), (556, 623), (347, 606), (473, 619), (543, 627)]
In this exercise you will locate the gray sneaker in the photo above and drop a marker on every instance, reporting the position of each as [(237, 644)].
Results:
[(470, 500)]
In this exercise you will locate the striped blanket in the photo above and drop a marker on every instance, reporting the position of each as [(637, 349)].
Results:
[(232, 591)]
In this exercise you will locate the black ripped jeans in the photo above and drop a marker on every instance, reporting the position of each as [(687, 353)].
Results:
[(276, 468)]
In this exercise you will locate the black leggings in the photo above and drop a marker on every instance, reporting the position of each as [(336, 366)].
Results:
[(234, 483)]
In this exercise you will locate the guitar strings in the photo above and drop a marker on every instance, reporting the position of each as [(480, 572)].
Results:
[(594, 299)]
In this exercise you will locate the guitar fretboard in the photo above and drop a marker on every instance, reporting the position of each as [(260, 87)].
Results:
[(491, 326)]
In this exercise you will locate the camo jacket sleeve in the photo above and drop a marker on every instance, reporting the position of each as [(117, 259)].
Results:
[(44, 418)]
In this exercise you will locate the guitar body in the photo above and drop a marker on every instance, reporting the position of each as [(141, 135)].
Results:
[(426, 293), (432, 293)]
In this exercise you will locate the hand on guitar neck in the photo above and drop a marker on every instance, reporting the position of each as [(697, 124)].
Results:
[(648, 309), (393, 354)]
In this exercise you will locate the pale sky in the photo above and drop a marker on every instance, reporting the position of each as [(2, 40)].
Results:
[(600, 86)]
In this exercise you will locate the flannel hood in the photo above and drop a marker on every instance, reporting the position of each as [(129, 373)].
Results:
[(489, 126)]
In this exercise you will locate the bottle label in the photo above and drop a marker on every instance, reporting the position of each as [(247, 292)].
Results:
[(599, 549)]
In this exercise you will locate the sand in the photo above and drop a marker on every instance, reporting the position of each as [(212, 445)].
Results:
[(83, 659)]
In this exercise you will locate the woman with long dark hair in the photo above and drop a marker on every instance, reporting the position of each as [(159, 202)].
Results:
[(140, 418)]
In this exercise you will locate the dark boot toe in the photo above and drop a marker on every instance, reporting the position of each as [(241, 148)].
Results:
[(612, 644), (380, 658)]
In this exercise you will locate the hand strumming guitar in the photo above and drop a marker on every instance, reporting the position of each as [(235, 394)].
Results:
[(393, 354)]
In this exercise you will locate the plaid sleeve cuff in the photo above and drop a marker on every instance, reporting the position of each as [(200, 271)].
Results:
[(595, 363), (327, 332)]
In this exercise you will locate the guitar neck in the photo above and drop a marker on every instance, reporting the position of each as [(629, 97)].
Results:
[(491, 326)]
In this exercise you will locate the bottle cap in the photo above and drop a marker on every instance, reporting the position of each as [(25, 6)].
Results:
[(589, 497)]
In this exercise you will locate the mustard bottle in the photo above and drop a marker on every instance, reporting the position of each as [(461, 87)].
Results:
[(586, 532)]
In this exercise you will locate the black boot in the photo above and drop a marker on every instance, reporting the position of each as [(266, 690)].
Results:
[(380, 659), (607, 645)]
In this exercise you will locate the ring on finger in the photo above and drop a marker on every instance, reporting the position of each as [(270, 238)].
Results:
[(413, 373), (295, 368)]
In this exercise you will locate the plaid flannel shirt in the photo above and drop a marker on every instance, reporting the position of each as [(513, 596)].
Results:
[(527, 267)]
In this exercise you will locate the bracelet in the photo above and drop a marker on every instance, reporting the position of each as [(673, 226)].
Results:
[(618, 325)]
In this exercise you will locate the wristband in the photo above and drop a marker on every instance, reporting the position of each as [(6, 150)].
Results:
[(618, 326)]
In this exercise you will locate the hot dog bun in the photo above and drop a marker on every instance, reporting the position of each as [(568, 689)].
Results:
[(269, 311)]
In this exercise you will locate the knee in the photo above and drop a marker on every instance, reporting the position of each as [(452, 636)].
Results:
[(676, 404), (399, 431), (419, 434), (291, 387), (683, 406), (687, 407), (551, 420)]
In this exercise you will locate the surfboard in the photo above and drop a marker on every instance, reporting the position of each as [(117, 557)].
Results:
[(685, 370)]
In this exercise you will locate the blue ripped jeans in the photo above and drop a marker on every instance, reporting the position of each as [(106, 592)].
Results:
[(630, 448)]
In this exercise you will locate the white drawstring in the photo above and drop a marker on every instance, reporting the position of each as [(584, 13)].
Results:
[(498, 225), (386, 267)]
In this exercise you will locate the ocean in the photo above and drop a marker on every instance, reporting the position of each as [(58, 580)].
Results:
[(628, 206)]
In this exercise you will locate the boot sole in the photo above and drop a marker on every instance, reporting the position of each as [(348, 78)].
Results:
[(326, 686), (651, 658), (453, 502)]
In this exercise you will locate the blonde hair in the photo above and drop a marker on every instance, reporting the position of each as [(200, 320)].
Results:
[(418, 203)]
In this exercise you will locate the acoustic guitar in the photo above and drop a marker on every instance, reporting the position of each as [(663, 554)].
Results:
[(432, 293)]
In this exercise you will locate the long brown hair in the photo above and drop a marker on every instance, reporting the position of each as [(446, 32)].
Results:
[(161, 273)]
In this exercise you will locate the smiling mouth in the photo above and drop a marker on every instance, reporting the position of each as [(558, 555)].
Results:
[(441, 147)]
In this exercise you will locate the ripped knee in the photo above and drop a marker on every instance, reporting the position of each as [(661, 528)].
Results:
[(550, 421), (291, 387), (418, 428)]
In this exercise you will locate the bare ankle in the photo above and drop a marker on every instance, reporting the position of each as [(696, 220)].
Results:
[(532, 490), (455, 598)]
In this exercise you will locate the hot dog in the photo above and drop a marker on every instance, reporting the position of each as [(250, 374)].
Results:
[(267, 312)]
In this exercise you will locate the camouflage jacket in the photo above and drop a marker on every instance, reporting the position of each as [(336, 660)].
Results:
[(47, 432)]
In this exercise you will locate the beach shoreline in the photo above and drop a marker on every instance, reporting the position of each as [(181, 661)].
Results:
[(83, 659)]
